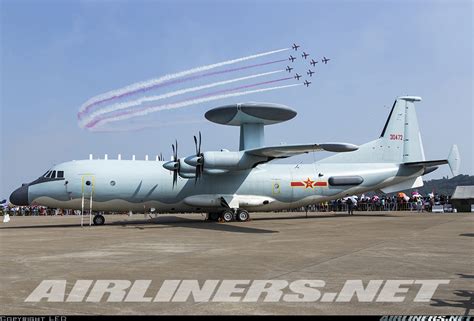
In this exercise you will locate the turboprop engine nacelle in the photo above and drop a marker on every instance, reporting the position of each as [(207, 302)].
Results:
[(184, 170), (225, 160)]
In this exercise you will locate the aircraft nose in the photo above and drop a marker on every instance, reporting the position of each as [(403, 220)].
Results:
[(20, 196)]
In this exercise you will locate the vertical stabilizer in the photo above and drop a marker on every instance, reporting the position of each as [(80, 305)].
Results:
[(399, 142)]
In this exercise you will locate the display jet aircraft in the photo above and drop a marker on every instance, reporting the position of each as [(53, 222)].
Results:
[(307, 83), (295, 47), (313, 62), (325, 60), (229, 184)]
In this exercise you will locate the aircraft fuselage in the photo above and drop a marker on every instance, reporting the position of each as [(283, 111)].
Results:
[(123, 185)]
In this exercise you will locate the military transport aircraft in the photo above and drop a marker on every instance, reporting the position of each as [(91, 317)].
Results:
[(229, 184)]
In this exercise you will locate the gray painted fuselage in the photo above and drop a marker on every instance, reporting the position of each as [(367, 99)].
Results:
[(122, 185)]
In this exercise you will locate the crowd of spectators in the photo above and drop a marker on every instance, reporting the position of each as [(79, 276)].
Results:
[(395, 202)]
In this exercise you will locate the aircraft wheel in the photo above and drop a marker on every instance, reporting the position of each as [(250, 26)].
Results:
[(213, 216), (99, 220), (227, 216), (243, 215)]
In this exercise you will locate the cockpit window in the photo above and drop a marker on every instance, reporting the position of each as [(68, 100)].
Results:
[(53, 175), (49, 174), (60, 174)]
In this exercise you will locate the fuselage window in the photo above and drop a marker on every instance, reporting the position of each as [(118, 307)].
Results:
[(60, 174), (53, 175)]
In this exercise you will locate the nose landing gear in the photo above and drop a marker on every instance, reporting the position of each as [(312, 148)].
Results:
[(99, 220)]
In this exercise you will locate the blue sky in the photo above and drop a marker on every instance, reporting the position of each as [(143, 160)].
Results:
[(57, 54)]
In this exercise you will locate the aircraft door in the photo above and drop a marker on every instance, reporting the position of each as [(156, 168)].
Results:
[(87, 186), (87, 191)]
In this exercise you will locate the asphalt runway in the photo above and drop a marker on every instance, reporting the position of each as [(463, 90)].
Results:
[(272, 246)]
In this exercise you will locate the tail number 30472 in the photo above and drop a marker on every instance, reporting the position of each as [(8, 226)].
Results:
[(396, 137)]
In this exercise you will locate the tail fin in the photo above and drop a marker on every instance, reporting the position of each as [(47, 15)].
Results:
[(400, 141), (454, 160)]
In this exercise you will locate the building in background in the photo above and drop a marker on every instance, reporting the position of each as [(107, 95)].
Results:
[(463, 198)]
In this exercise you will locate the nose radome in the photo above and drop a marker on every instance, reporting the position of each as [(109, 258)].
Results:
[(20, 196)]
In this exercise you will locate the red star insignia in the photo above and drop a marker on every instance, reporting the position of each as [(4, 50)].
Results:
[(308, 183)]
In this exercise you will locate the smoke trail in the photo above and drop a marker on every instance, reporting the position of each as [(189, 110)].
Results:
[(184, 104), (136, 87), (176, 81), (149, 125), (135, 111), (140, 101)]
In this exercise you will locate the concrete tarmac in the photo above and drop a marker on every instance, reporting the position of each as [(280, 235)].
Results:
[(332, 247)]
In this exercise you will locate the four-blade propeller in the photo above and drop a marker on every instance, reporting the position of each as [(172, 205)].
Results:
[(199, 158), (176, 163)]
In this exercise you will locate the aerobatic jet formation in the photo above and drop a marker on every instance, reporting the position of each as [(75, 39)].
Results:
[(228, 185)]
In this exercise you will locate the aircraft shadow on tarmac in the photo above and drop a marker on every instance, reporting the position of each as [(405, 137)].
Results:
[(464, 298), (168, 221), (467, 234), (174, 221)]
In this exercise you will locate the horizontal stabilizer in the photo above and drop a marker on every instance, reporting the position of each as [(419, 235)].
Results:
[(292, 150), (454, 160)]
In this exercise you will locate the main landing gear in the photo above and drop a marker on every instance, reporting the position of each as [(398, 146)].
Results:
[(229, 215)]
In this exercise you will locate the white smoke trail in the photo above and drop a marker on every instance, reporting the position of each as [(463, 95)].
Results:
[(187, 103), (148, 125), (156, 81), (137, 102)]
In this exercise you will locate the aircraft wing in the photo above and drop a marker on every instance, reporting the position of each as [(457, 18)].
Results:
[(283, 151)]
